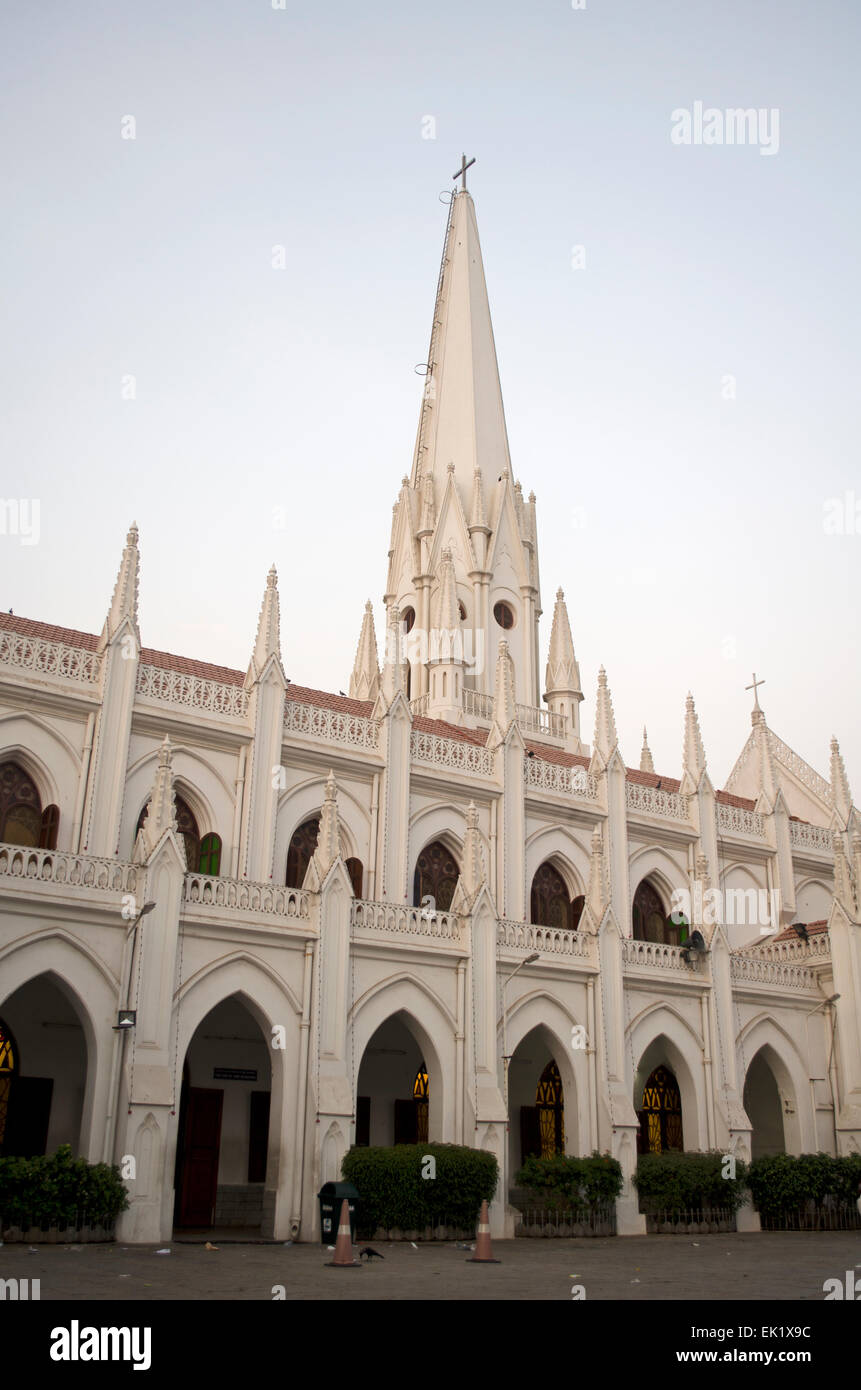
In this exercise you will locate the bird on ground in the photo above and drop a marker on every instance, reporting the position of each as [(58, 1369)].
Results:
[(370, 1254)]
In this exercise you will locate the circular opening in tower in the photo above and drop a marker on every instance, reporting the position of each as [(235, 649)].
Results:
[(503, 615)]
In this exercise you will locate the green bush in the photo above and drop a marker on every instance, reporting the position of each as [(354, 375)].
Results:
[(565, 1182), (394, 1194), (676, 1181), (786, 1182), (59, 1190)]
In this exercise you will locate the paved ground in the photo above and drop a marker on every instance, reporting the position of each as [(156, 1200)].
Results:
[(779, 1265)]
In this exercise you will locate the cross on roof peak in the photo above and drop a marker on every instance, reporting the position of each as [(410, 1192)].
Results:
[(461, 172), (753, 687)]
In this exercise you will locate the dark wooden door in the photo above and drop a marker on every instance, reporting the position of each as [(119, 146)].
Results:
[(201, 1143), (406, 1122), (530, 1132), (27, 1115)]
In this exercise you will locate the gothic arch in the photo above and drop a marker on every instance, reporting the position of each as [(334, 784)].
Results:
[(557, 844), (304, 803), (661, 1034), (41, 765), (540, 1012), (662, 871), (764, 1034), (433, 1028), (92, 993), (196, 780)]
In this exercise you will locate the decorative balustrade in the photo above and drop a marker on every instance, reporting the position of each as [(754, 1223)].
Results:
[(798, 951), (802, 770), (570, 781), (550, 941), (207, 890), (333, 726), (532, 719), (752, 969), (740, 821), (70, 870), (420, 704), (654, 955), (474, 702), (49, 658), (451, 753), (654, 801), (191, 692), (805, 836), (395, 919)]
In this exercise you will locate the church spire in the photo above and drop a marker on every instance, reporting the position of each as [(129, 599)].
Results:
[(646, 761), (563, 694), (462, 419), (267, 643), (693, 757), (124, 603), (606, 738), (840, 792), (365, 679)]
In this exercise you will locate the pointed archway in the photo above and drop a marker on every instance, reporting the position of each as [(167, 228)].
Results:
[(660, 1113), (764, 1108), (395, 1087), (43, 1071), (536, 1101), (223, 1135)]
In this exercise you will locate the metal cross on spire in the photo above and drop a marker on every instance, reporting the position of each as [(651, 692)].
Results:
[(755, 691), (461, 172)]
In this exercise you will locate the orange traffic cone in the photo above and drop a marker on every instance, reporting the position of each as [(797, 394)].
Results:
[(344, 1244), (483, 1252)]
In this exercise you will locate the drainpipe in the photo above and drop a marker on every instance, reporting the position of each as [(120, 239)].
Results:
[(459, 1052), (375, 812), (239, 795), (82, 784), (591, 1024), (707, 1064), (302, 1090)]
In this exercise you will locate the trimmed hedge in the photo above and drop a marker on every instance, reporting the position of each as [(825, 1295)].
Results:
[(786, 1182), (394, 1194), (59, 1190), (690, 1182), (564, 1182)]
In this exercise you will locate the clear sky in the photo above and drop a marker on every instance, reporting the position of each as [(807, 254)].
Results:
[(686, 527)]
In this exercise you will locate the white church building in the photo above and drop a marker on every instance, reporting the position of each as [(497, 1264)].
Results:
[(426, 911)]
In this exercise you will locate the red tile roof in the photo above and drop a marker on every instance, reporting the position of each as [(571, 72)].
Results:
[(28, 627), (304, 695), (187, 667), (813, 929), (730, 799)]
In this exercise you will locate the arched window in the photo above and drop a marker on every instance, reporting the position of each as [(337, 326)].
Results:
[(421, 1096), (650, 921), (435, 877), (210, 854), (302, 846), (20, 807), (9, 1064), (187, 827), (356, 871), (660, 1113), (50, 827), (577, 911), (550, 905), (551, 1112)]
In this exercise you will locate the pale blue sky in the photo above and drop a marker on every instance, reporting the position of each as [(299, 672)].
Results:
[(260, 388)]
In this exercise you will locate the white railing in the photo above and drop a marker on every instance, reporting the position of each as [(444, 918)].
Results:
[(534, 720), (551, 941), (741, 821), (570, 781), (816, 947), (451, 753), (49, 658), (207, 890), (70, 870), (394, 919), (754, 970), (654, 955), (805, 836), (191, 692), (478, 704), (420, 704), (334, 726), (653, 801)]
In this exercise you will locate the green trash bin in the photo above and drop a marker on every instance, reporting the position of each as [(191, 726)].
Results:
[(330, 1196)]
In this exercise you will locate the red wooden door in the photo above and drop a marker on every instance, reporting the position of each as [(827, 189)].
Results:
[(201, 1143)]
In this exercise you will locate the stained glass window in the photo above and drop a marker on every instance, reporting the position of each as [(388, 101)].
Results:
[(355, 870), (551, 1111), (187, 826), (210, 854), (550, 904), (8, 1066), (302, 846), (421, 1096), (435, 877), (20, 807), (661, 1113)]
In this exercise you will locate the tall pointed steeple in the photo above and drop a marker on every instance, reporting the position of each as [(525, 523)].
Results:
[(606, 737), (462, 419), (365, 678), (268, 640), (647, 763), (693, 756), (124, 603), (563, 693)]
